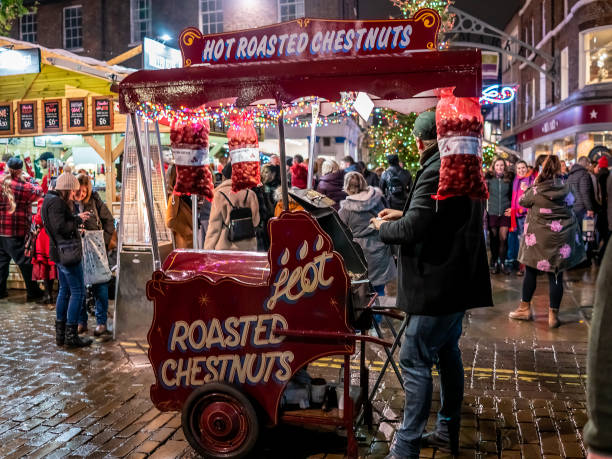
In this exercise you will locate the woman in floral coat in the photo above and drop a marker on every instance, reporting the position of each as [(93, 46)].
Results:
[(552, 242)]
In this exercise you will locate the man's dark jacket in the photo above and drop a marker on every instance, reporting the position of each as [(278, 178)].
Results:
[(443, 261), (395, 202), (582, 186)]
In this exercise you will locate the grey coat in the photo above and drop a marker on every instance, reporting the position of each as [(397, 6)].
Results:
[(552, 240), (599, 363), (356, 211)]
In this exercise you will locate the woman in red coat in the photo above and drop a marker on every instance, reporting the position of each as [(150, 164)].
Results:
[(43, 269)]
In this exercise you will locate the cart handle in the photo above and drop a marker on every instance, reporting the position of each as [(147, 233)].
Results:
[(331, 335)]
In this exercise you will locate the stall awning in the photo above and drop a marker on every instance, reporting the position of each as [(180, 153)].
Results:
[(61, 72), (386, 77)]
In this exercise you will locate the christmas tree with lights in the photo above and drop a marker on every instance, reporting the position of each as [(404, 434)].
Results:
[(391, 134), (390, 131)]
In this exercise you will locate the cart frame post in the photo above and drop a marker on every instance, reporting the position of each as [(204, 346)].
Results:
[(147, 195), (313, 140), (194, 221), (283, 160)]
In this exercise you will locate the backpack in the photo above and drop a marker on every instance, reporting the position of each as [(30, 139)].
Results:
[(395, 187), (241, 221)]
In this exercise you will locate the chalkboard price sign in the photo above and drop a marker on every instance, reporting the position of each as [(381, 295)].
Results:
[(27, 117), (52, 115), (77, 114), (102, 113), (6, 119)]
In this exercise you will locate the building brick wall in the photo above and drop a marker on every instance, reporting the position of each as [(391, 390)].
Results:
[(106, 23), (595, 14)]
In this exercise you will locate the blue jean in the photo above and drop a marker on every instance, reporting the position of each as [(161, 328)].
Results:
[(71, 293), (100, 293), (430, 340), (514, 239)]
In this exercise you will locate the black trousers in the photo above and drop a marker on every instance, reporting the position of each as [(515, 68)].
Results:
[(555, 286), (14, 248)]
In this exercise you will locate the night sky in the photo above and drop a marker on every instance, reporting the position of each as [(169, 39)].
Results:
[(495, 13)]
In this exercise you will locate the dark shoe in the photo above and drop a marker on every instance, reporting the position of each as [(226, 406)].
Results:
[(3, 295), (506, 268), (73, 339), (35, 296), (495, 268), (434, 440), (101, 330), (60, 332), (48, 299), (82, 329)]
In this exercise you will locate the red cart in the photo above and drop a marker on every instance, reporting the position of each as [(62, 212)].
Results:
[(230, 329)]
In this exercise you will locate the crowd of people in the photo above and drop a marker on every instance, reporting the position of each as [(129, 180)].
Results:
[(47, 245)]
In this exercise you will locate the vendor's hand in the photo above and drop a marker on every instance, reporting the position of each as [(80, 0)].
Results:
[(377, 223), (590, 213), (390, 215), (84, 216), (508, 212)]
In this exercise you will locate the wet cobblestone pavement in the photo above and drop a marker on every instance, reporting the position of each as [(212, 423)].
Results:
[(525, 390)]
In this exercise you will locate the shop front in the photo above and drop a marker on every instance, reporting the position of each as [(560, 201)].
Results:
[(569, 133)]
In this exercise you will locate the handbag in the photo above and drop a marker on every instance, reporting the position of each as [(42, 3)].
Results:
[(30, 241), (241, 221), (95, 260)]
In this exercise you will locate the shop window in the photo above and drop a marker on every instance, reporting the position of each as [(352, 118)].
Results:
[(564, 73), (27, 28), (565, 148), (290, 9), (73, 27), (543, 89), (140, 20), (211, 16), (596, 56)]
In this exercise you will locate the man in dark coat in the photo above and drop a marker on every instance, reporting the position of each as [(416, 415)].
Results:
[(582, 186), (370, 177), (443, 271), (395, 183)]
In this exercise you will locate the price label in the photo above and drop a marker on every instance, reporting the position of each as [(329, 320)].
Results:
[(52, 111), (27, 117), (77, 114), (6, 122), (103, 113)]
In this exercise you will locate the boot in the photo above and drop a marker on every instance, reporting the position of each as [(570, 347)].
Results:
[(60, 332), (506, 268), (82, 328), (553, 318), (523, 312), (521, 270), (495, 268), (73, 339)]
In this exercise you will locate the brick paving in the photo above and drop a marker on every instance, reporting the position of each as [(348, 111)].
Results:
[(525, 391)]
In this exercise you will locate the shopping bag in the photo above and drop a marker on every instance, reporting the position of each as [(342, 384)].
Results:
[(95, 260)]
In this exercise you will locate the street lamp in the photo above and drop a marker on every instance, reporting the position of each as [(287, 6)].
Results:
[(164, 38)]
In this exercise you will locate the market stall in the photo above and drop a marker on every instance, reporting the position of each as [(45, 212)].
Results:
[(230, 330), (56, 101)]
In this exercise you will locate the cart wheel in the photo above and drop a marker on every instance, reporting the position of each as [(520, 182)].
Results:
[(219, 421)]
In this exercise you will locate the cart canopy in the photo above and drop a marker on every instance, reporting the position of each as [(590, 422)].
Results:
[(387, 77)]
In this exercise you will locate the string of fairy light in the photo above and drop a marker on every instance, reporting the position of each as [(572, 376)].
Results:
[(295, 114)]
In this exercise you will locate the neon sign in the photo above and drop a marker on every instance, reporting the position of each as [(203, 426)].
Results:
[(497, 94)]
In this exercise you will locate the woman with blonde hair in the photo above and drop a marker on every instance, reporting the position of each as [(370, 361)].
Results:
[(18, 193), (90, 201), (361, 205)]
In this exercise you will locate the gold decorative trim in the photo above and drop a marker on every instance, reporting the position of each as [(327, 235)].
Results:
[(428, 18), (190, 35)]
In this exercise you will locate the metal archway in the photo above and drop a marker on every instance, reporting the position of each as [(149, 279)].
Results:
[(469, 31)]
